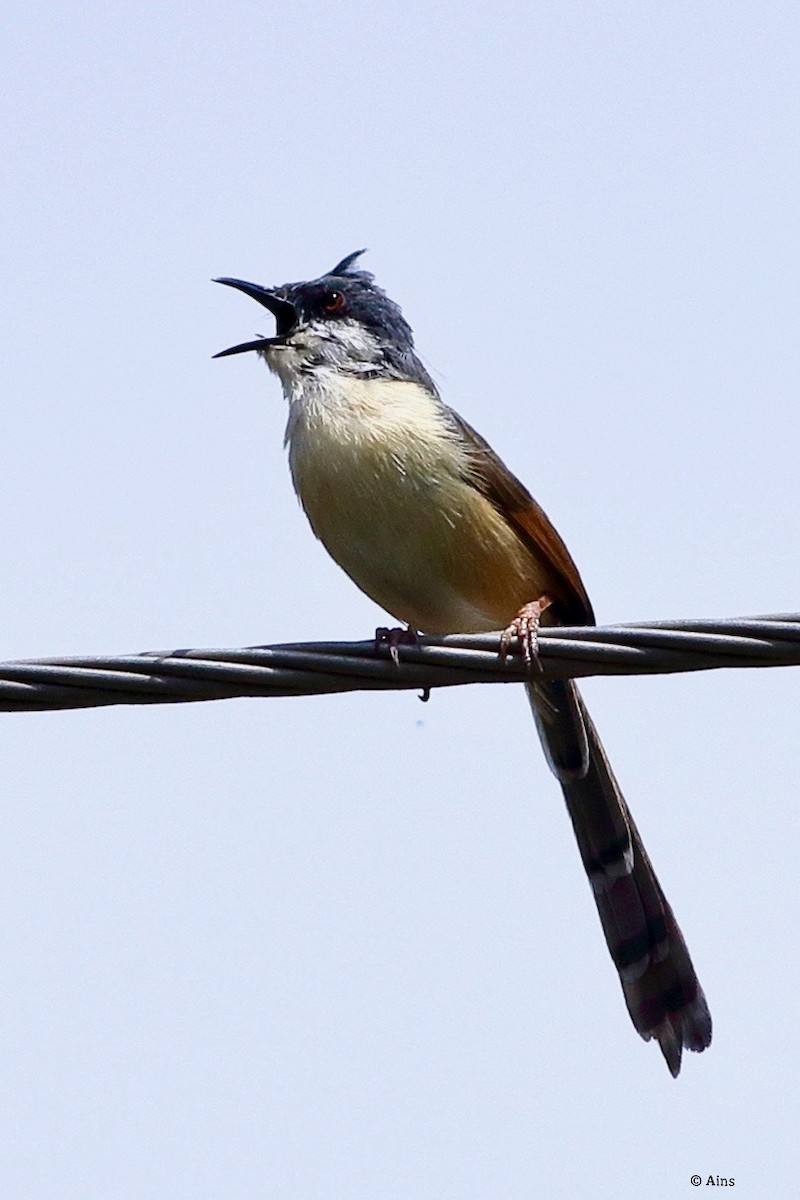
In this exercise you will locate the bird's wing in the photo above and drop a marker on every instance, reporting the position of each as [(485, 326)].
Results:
[(531, 524)]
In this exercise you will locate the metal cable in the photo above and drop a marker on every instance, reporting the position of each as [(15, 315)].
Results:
[(315, 668)]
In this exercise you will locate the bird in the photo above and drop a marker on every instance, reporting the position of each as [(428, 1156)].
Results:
[(427, 520)]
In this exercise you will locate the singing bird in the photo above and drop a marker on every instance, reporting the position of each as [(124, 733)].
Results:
[(426, 519)]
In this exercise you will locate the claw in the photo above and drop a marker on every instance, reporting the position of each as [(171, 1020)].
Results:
[(394, 638), (525, 630)]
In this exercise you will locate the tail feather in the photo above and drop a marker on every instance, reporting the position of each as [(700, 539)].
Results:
[(661, 989)]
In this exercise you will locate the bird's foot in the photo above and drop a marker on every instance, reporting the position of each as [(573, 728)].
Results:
[(394, 638), (524, 629)]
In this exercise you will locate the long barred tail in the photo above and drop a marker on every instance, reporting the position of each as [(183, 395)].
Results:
[(661, 989)]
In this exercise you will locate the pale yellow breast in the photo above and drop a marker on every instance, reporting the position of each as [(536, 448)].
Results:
[(382, 477)]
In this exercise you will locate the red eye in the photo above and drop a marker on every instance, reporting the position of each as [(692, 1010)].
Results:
[(333, 302)]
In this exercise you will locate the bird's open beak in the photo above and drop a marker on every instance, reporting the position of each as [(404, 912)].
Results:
[(285, 315)]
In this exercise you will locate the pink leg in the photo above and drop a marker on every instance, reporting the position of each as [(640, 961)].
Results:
[(394, 638), (525, 628)]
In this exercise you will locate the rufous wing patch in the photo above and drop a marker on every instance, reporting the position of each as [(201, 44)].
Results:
[(530, 522)]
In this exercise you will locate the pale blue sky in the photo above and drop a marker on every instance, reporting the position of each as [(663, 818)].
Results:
[(343, 947)]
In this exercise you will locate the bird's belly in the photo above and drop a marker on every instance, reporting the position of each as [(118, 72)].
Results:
[(415, 535)]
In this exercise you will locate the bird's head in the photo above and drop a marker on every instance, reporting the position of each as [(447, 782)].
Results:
[(341, 322)]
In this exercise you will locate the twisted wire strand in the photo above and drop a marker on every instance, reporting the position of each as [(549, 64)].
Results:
[(316, 668)]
